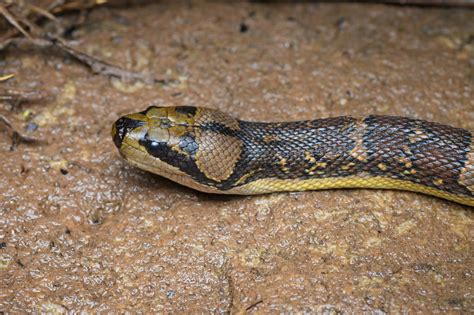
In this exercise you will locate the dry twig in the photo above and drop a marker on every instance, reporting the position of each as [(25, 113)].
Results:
[(6, 77), (13, 21), (102, 67), (15, 136), (45, 40), (16, 95)]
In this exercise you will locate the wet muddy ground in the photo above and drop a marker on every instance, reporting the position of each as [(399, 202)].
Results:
[(82, 230)]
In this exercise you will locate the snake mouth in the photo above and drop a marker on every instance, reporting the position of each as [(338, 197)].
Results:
[(122, 127)]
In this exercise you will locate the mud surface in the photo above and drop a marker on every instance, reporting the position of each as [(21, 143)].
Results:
[(82, 230)]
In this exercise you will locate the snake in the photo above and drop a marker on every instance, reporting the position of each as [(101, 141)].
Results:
[(214, 152)]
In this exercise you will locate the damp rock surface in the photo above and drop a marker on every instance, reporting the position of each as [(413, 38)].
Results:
[(82, 230)]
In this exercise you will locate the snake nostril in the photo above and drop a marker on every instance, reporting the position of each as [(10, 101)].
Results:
[(121, 127)]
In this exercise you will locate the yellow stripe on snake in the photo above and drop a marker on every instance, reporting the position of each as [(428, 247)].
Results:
[(213, 152)]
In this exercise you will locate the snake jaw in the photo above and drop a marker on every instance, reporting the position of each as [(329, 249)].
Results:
[(123, 127)]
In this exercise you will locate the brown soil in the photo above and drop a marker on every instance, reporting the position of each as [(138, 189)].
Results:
[(82, 230)]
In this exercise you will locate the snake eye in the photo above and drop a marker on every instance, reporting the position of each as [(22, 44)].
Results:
[(155, 148)]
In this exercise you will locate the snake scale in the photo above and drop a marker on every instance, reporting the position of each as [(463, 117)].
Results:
[(213, 152)]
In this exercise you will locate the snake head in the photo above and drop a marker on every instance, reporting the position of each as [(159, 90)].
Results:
[(155, 131), (162, 140), (190, 145)]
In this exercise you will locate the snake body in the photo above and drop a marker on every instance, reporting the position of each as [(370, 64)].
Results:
[(211, 151)]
